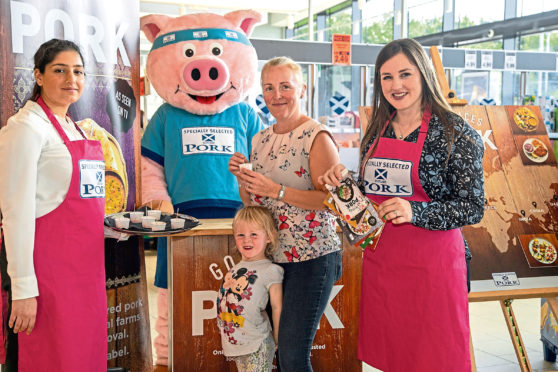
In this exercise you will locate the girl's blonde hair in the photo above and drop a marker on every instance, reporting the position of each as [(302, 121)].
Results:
[(284, 61), (261, 217)]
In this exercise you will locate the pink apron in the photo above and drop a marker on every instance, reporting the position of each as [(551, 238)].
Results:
[(71, 326), (413, 306)]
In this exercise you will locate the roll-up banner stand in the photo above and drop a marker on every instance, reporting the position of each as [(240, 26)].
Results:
[(108, 34)]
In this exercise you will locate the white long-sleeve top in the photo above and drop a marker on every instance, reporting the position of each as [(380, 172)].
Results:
[(35, 174)]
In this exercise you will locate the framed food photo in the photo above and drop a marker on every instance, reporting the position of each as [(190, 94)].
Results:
[(535, 149), (526, 120), (540, 250)]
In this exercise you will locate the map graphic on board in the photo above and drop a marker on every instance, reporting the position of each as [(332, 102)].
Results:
[(519, 230)]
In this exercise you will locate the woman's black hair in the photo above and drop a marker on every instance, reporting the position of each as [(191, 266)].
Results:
[(46, 53)]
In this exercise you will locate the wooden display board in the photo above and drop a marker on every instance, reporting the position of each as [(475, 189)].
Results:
[(521, 200), (521, 205), (199, 259)]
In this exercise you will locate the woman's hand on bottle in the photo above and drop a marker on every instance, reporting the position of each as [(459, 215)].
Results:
[(24, 312), (332, 176)]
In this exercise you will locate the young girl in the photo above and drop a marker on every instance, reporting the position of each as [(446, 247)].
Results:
[(245, 330)]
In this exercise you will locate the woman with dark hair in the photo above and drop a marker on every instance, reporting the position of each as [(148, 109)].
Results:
[(423, 165), (52, 209)]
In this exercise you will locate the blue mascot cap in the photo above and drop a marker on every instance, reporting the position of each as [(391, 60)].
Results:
[(200, 34)]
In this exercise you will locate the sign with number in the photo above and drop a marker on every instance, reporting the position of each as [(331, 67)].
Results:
[(341, 49), (486, 60), (510, 61), (470, 60)]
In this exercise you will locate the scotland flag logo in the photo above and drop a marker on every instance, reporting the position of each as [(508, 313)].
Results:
[(99, 177), (208, 138), (339, 104), (380, 175)]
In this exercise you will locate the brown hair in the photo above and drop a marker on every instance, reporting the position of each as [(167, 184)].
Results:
[(431, 92), (260, 216)]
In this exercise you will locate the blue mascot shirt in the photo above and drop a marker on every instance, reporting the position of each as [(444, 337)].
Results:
[(195, 151)]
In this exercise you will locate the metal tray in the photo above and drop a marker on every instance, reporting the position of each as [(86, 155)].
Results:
[(137, 229)]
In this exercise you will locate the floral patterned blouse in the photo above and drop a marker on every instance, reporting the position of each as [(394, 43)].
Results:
[(455, 186), (303, 234)]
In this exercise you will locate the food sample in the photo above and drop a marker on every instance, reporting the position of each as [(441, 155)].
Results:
[(245, 166), (177, 223), (155, 213), (147, 221), (158, 225), (122, 222), (136, 216)]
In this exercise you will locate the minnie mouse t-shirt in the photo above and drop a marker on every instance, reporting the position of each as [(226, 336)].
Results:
[(241, 304)]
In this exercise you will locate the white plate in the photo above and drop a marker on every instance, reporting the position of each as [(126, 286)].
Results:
[(531, 155), (548, 246)]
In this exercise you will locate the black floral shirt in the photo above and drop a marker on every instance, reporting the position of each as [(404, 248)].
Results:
[(455, 186)]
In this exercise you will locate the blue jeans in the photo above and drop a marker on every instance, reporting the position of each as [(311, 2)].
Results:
[(306, 289)]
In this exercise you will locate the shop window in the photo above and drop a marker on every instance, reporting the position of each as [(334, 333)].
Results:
[(475, 12), (528, 7), (339, 23), (425, 17), (337, 107), (377, 22), (477, 87), (543, 42)]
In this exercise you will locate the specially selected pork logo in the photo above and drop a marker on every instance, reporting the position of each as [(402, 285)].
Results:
[(380, 175), (208, 140)]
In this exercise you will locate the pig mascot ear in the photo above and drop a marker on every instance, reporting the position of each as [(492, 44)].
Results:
[(152, 24), (244, 19)]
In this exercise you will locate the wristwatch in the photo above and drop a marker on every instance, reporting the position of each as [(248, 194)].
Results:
[(281, 193)]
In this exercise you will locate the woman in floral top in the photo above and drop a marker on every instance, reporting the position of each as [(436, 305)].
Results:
[(287, 159), (423, 165)]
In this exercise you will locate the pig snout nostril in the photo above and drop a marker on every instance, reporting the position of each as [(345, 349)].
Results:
[(196, 75), (213, 73)]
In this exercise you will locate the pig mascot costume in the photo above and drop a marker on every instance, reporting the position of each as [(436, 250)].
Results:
[(202, 65)]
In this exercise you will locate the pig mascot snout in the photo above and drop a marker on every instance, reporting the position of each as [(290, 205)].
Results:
[(202, 65)]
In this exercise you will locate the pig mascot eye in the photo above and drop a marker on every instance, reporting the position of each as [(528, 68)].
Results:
[(216, 49), (189, 50)]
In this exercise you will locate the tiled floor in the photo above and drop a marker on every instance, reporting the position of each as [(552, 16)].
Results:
[(493, 348)]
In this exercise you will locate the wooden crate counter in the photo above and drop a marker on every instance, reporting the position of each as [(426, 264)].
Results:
[(198, 260)]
